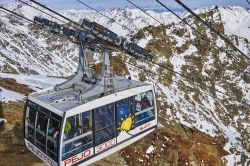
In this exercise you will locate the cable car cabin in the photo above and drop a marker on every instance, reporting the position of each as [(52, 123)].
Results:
[(89, 116), (62, 129)]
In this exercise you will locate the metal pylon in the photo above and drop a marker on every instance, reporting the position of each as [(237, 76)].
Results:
[(107, 73)]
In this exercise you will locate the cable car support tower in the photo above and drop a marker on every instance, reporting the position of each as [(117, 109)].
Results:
[(95, 37)]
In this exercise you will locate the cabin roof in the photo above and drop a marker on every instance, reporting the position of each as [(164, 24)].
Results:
[(67, 99)]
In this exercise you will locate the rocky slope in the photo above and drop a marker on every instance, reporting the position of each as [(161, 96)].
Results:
[(25, 49)]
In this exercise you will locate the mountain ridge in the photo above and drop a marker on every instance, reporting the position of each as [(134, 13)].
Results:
[(173, 44)]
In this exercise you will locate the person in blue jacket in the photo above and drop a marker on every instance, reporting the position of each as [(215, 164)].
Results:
[(123, 110)]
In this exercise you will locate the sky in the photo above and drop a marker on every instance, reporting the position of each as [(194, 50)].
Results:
[(147, 4)]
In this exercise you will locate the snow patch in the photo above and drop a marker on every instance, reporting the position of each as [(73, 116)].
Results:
[(2, 121), (143, 42), (34, 81), (7, 95), (236, 21), (150, 149)]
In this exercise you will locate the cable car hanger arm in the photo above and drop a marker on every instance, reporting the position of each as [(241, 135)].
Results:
[(107, 36)]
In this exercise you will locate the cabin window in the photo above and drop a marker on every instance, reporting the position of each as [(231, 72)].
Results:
[(104, 116), (105, 135), (32, 116), (105, 128), (55, 116), (33, 105), (53, 137), (42, 129), (43, 110), (144, 108), (123, 109), (77, 134), (30, 123)]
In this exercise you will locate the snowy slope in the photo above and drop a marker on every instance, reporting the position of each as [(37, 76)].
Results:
[(7, 95), (35, 82), (236, 21), (210, 112), (133, 19)]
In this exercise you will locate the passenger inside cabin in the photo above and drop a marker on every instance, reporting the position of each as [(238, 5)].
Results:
[(142, 105), (123, 110), (67, 134), (138, 107), (86, 122), (75, 129), (104, 116), (145, 102), (67, 129), (53, 131)]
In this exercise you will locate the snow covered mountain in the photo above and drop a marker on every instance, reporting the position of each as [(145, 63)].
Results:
[(26, 49)]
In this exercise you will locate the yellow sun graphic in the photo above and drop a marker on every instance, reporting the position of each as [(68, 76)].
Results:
[(126, 124)]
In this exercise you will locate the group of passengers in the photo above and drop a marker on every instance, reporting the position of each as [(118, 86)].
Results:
[(53, 131), (73, 129)]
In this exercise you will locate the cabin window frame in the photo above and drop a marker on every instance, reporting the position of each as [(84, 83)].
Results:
[(67, 149), (126, 111), (43, 134), (111, 125), (51, 138), (149, 110), (41, 110)]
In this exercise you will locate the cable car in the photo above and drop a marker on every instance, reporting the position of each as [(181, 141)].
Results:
[(89, 116)]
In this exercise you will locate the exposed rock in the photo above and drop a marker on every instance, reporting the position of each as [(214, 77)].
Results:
[(193, 102)]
